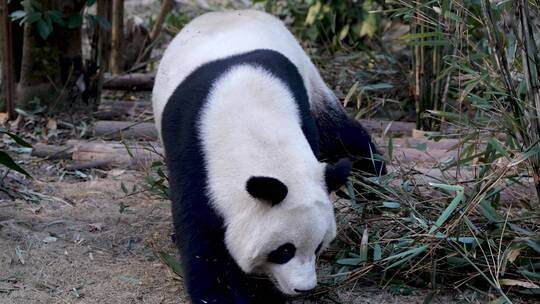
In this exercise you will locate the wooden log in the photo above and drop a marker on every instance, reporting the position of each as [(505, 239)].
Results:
[(110, 115), (108, 129), (121, 110), (125, 129), (88, 165), (416, 143), (52, 152), (409, 155), (391, 127), (100, 154), (130, 82), (131, 156), (124, 105)]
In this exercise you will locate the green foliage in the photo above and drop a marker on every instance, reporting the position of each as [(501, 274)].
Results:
[(175, 21), (477, 65), (157, 181), (44, 20), (334, 23), (6, 160)]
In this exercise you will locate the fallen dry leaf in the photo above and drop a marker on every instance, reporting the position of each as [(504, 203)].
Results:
[(51, 124)]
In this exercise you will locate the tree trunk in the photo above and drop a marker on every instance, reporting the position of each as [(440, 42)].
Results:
[(50, 68)]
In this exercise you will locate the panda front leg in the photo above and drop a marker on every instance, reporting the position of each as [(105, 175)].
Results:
[(210, 273)]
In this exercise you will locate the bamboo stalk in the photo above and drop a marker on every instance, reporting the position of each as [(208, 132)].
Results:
[(8, 69), (418, 75), (502, 64), (531, 67), (117, 37), (166, 7)]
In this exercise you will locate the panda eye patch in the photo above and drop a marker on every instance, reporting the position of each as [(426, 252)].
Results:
[(282, 254), (318, 248)]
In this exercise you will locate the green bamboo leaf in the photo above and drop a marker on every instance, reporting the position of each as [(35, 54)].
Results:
[(469, 87), (530, 275), (31, 17), (44, 27), (489, 212), (495, 144), (377, 86), (377, 252), (447, 212), (124, 188), (391, 205), (369, 26), (390, 149), (533, 244), (172, 262), (407, 256), (56, 16), (7, 161), (447, 187), (344, 32), (74, 21), (454, 117), (16, 138), (406, 253), (463, 239), (350, 261)]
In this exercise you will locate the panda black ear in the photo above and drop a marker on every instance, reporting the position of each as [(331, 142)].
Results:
[(267, 189), (337, 175)]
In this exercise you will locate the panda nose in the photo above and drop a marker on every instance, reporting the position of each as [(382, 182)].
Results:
[(304, 290)]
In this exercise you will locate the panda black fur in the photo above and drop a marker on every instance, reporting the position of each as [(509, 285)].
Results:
[(245, 118)]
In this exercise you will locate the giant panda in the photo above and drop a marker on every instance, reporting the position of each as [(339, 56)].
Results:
[(246, 122)]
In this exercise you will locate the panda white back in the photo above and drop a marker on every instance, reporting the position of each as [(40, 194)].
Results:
[(217, 35)]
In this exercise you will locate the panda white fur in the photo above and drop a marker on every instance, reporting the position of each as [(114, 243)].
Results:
[(245, 119)]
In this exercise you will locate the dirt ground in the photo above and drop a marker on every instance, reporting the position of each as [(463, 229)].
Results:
[(86, 251), (86, 242)]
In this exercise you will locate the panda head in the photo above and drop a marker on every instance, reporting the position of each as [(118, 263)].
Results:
[(293, 223)]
